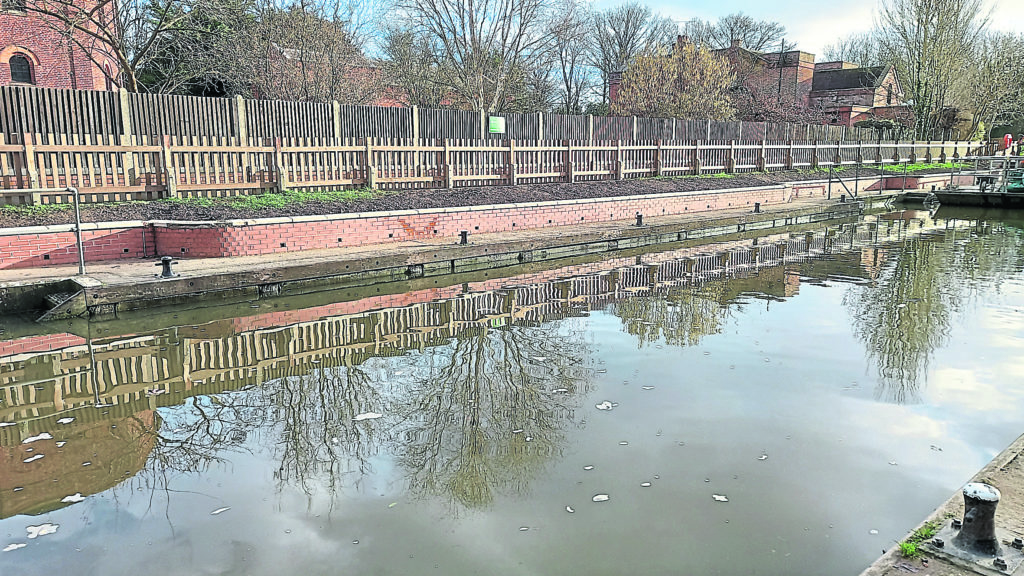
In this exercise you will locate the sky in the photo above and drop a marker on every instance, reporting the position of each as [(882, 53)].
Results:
[(812, 24)]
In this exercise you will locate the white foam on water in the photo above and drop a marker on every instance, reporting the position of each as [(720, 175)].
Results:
[(41, 530), (529, 438), (15, 546), (67, 420), (524, 528), (517, 431), (220, 510), (588, 467), (606, 405), (76, 497), (601, 497), (32, 459), (720, 498), (43, 436), (367, 416), (647, 387), (623, 443), (872, 531)]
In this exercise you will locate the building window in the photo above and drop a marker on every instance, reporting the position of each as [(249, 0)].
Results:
[(888, 94), (21, 69)]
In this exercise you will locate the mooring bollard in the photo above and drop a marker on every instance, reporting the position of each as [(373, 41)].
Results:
[(166, 262), (639, 219), (757, 207), (978, 534), (464, 237)]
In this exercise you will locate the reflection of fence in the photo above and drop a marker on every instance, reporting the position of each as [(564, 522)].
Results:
[(104, 169), (59, 113)]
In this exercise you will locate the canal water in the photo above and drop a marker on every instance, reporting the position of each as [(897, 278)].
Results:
[(788, 404)]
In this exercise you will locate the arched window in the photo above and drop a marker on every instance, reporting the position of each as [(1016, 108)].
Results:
[(21, 69)]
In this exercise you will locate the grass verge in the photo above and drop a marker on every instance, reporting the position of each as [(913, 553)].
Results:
[(911, 547)]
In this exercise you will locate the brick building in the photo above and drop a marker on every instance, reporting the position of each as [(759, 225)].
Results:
[(842, 92), (33, 53)]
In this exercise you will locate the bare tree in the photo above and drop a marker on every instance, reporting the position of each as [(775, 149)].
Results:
[(623, 32), (411, 66), (993, 88), (755, 35), (930, 42), (860, 49), (485, 45), (568, 30)]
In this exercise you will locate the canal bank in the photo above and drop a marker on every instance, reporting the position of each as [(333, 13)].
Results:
[(118, 286), (1006, 473)]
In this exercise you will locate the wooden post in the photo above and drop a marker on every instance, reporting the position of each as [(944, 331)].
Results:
[(814, 155), (839, 153), (415, 122), (170, 171), (30, 160), (942, 153), (619, 163), (634, 128), (674, 129), (540, 125), (279, 166), (761, 162), (696, 157), (371, 168), (336, 116), (447, 164), (896, 152), (243, 124), (789, 155), (860, 152), (513, 177), (658, 160), (590, 128), (913, 151), (483, 124), (730, 162), (956, 151), (928, 153), (127, 158), (569, 165)]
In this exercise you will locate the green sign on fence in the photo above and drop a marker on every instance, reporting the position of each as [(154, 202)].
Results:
[(496, 124)]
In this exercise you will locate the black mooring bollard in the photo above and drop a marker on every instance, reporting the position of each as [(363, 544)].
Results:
[(757, 207), (464, 237), (166, 262), (639, 219), (978, 534)]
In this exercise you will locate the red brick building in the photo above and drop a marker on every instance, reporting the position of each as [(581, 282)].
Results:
[(33, 53)]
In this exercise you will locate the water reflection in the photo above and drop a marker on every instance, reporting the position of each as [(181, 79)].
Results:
[(477, 386)]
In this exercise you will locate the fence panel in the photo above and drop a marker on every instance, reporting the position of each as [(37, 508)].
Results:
[(157, 115), (268, 119), (375, 122), (564, 127), (220, 167), (44, 111), (611, 128), (449, 124)]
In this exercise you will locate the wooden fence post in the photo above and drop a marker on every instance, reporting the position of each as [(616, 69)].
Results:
[(371, 168), (170, 170), (513, 177), (658, 160), (896, 151), (860, 152), (483, 124), (928, 153), (730, 162), (243, 124), (789, 155), (590, 128), (279, 166), (913, 151), (30, 160), (942, 153), (839, 153), (761, 162), (634, 129), (336, 116), (447, 164), (569, 166), (127, 158), (415, 122), (540, 125), (696, 157), (814, 154), (619, 163)]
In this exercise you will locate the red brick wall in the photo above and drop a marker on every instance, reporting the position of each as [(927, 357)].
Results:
[(53, 246), (42, 343), (54, 64)]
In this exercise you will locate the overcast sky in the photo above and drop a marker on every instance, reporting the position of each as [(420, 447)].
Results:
[(812, 24)]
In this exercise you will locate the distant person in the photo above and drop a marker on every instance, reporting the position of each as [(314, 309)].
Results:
[(1020, 146), (1007, 142)]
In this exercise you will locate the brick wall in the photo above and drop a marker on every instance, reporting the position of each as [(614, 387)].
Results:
[(42, 343), (55, 63), (55, 245)]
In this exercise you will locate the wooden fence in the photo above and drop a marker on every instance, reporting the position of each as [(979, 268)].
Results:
[(36, 170), (96, 114)]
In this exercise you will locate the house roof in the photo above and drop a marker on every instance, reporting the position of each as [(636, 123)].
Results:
[(850, 78)]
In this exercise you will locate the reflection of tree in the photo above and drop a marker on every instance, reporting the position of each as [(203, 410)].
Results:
[(682, 317), (489, 411), (907, 314)]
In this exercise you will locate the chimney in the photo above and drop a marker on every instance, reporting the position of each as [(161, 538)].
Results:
[(736, 43)]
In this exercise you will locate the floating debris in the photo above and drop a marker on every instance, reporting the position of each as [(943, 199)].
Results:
[(15, 546), (355, 541), (647, 387), (763, 456), (892, 463), (367, 416), (393, 504), (43, 436), (872, 531), (32, 459), (517, 431), (606, 405), (602, 371), (601, 497), (76, 497), (720, 498), (41, 530), (220, 510), (588, 467), (6, 424), (67, 420), (645, 484), (624, 443), (159, 391), (529, 438), (18, 488), (86, 463), (524, 528)]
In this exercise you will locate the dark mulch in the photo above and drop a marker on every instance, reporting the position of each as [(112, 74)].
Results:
[(413, 199)]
